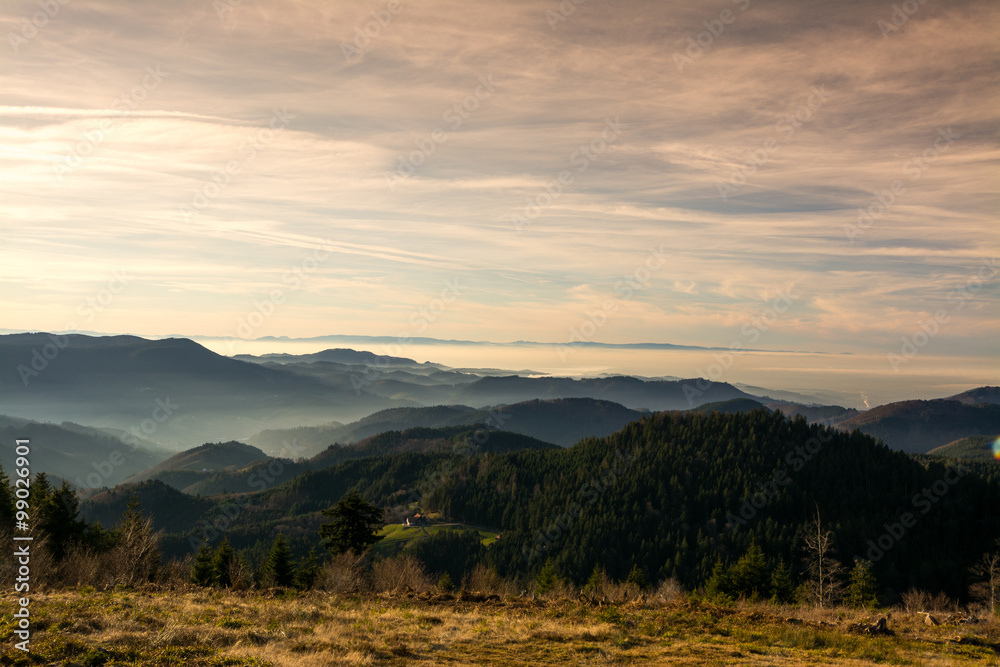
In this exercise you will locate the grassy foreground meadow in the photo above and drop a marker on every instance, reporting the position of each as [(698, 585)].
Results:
[(194, 626)]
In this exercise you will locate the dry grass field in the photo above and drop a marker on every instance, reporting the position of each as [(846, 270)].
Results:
[(191, 626)]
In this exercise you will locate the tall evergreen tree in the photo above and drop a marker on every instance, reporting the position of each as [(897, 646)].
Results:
[(782, 588), (38, 493), (201, 570), (353, 527), (750, 577), (59, 518), (308, 571), (222, 565), (278, 569), (719, 585)]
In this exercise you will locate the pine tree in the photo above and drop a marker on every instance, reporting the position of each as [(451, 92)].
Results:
[(862, 591), (59, 518), (596, 581), (782, 589), (445, 584), (353, 527), (40, 491), (719, 586), (201, 570), (308, 571), (222, 563), (548, 577), (637, 577), (279, 570), (749, 576)]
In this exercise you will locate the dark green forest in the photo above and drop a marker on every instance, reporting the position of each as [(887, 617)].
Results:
[(671, 495)]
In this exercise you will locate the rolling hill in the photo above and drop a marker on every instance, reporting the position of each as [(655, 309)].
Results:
[(672, 490), (920, 426), (978, 395), (978, 447), (239, 468), (86, 457), (561, 421), (176, 390), (207, 458)]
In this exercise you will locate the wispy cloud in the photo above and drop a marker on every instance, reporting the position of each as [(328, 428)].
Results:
[(321, 180)]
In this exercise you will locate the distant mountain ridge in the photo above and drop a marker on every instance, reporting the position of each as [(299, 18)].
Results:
[(86, 457), (244, 469), (126, 381), (209, 457), (120, 381), (562, 421), (921, 426)]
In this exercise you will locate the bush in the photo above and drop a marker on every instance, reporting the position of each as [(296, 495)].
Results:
[(343, 574), (485, 579), (669, 591), (915, 600), (399, 573)]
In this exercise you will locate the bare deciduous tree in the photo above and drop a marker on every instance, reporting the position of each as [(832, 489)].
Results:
[(821, 564), (987, 571)]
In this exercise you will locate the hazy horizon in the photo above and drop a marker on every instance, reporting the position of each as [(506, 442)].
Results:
[(852, 380), (813, 177)]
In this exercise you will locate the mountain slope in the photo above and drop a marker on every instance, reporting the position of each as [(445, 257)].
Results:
[(561, 421), (86, 457), (178, 391), (973, 447), (978, 395), (920, 426), (209, 457), (672, 493), (631, 392)]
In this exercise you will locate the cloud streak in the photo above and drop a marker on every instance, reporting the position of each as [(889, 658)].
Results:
[(321, 179)]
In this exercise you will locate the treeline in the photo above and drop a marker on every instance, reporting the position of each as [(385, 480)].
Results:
[(674, 496)]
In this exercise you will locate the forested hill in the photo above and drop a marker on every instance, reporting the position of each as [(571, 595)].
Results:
[(666, 493), (672, 493)]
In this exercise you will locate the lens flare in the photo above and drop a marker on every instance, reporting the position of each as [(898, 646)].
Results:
[(996, 449)]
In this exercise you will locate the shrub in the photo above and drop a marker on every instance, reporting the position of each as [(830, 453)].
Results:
[(400, 573)]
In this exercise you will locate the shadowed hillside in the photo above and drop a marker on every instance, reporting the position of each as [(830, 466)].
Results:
[(920, 426)]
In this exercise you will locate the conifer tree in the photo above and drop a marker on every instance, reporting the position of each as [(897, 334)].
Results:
[(222, 563), (782, 588), (749, 577), (636, 577), (353, 527), (279, 570), (308, 571), (596, 581), (548, 577), (862, 591), (201, 570)]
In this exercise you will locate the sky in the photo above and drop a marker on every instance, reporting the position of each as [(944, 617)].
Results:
[(782, 175)]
